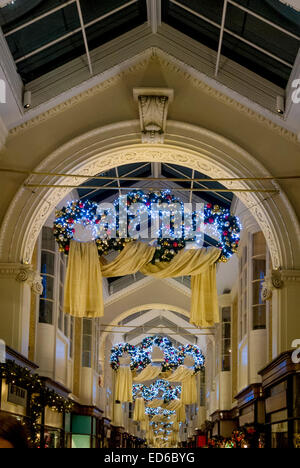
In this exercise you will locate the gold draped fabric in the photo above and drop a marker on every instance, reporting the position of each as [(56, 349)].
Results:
[(149, 373), (83, 296), (181, 415), (84, 278), (139, 410), (123, 388), (155, 403), (180, 374), (189, 391), (173, 405)]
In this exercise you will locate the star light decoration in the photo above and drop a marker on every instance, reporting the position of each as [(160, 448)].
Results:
[(171, 235), (159, 389)]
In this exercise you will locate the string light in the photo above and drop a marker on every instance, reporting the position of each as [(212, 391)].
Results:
[(172, 233)]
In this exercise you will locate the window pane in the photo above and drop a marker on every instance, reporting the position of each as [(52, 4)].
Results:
[(86, 343), (48, 287), (259, 244), (259, 317), (46, 312), (86, 359), (226, 314), (48, 240), (259, 269), (60, 319), (226, 363), (66, 325), (87, 326), (61, 296), (256, 290), (47, 263)]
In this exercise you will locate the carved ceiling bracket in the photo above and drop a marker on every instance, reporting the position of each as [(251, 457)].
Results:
[(153, 108)]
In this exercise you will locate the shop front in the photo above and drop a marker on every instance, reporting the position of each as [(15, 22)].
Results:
[(86, 428), (281, 385)]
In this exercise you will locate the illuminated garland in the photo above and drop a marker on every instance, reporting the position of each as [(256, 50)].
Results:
[(195, 353), (159, 411), (159, 389), (139, 358), (172, 357), (227, 227), (40, 396)]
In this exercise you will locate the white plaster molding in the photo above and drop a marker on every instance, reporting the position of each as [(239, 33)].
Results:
[(153, 106), (22, 274), (186, 145)]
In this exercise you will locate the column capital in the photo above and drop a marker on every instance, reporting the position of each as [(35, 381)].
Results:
[(277, 280), (22, 274)]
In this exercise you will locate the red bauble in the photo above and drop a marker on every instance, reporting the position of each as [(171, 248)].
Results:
[(209, 206), (225, 233), (81, 205), (175, 244), (211, 220), (67, 248), (71, 221)]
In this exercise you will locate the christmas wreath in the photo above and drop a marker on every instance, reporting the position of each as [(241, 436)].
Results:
[(195, 353), (139, 358)]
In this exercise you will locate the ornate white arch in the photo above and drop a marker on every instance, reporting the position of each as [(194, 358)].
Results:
[(119, 144), (132, 311)]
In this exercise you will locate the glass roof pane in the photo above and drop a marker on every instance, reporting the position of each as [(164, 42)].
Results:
[(275, 11), (51, 58), (116, 25), (23, 11), (262, 34), (246, 26), (44, 31), (92, 9)]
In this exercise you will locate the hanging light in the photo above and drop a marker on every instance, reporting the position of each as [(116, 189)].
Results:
[(4, 3)]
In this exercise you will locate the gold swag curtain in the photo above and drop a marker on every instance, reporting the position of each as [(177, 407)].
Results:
[(123, 388), (139, 410), (85, 272)]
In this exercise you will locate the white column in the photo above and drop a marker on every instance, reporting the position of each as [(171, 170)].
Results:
[(282, 288), (17, 282)]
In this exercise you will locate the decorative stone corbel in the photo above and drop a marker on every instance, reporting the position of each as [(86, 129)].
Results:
[(153, 109), (27, 275), (274, 281)]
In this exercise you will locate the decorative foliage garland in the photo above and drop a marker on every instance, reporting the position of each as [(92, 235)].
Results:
[(139, 358), (40, 396), (195, 353), (160, 411), (141, 355), (226, 226), (159, 389), (173, 359)]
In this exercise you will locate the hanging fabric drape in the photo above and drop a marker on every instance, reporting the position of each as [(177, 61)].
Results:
[(173, 405), (84, 279), (83, 296), (189, 391), (149, 373), (180, 374), (123, 388), (181, 415), (155, 403), (139, 410)]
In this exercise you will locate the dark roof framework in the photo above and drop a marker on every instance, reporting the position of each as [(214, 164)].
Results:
[(261, 35)]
